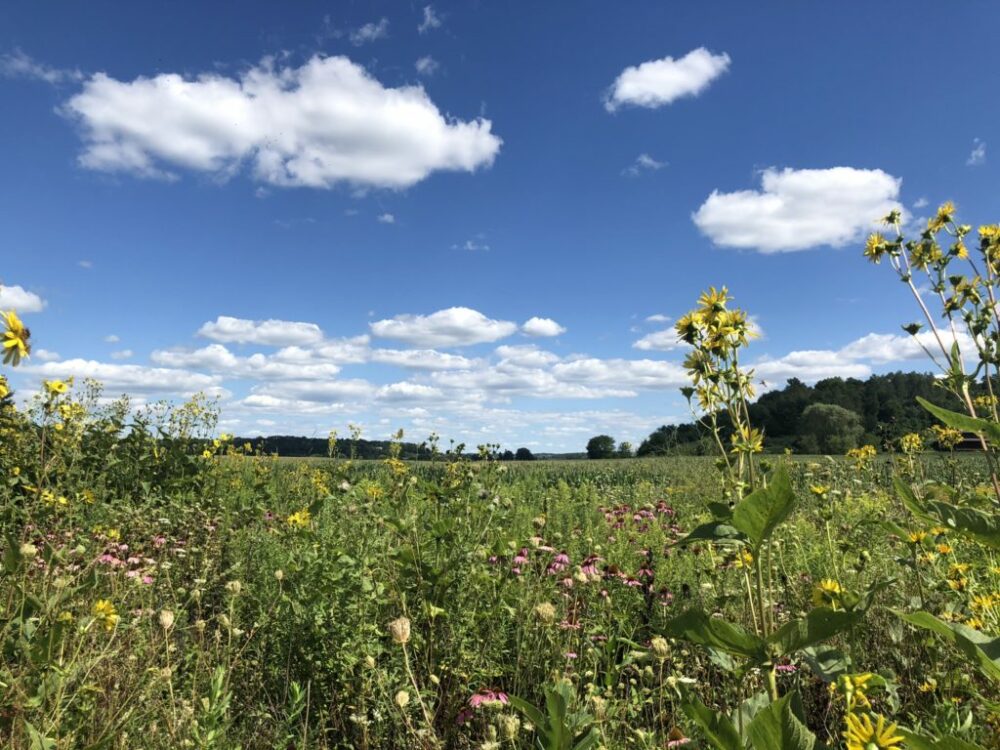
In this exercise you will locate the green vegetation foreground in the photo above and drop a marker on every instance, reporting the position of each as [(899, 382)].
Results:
[(162, 587)]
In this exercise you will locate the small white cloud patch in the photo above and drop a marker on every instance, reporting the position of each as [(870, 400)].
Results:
[(542, 327), (456, 326), (265, 332), (658, 82), (978, 155)]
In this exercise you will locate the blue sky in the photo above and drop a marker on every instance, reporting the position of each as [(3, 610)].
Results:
[(354, 172)]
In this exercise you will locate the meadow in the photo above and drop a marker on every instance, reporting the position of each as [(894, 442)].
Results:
[(163, 587)]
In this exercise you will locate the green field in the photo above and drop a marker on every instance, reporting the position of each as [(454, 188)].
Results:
[(166, 598)]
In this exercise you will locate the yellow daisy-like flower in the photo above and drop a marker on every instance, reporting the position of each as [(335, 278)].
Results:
[(15, 339), (300, 519), (105, 613), (975, 623), (981, 602), (944, 549), (911, 443), (744, 559), (827, 594), (56, 387), (820, 490), (862, 734), (875, 247), (916, 537), (4, 389)]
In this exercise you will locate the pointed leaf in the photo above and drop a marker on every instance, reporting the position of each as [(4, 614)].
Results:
[(979, 648), (759, 513), (713, 531), (696, 626), (819, 625), (718, 728), (777, 728), (964, 422)]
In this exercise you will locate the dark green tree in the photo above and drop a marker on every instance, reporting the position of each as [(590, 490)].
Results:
[(828, 428), (523, 454), (601, 446)]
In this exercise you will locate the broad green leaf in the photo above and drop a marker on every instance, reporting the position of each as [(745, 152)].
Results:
[(970, 522), (718, 728), (916, 741), (980, 649), (819, 625), (777, 728), (713, 531), (964, 422), (696, 626), (759, 513), (826, 662)]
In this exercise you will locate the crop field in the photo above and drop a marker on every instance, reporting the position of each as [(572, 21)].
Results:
[(234, 600)]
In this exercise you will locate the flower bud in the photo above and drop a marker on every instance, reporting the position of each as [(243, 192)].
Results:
[(166, 619), (29, 551), (660, 647), (545, 612), (399, 629), (402, 698)]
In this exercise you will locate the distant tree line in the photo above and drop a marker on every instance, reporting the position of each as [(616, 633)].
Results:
[(832, 416)]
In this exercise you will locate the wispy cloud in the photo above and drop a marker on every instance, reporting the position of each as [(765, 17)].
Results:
[(643, 163), (370, 32), (18, 64), (978, 154), (431, 20)]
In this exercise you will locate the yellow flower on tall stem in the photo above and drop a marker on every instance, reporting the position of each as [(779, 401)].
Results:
[(15, 339)]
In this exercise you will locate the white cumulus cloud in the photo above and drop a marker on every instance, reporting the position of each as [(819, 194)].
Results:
[(663, 341), (265, 332), (796, 209), (20, 299), (658, 82), (456, 326), (541, 327), (324, 123)]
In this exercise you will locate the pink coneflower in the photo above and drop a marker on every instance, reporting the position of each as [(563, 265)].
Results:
[(159, 541), (486, 697), (131, 573), (516, 571), (147, 579), (678, 743), (785, 668), (571, 655), (521, 557)]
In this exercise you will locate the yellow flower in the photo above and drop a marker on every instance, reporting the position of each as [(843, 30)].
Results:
[(875, 247), (15, 339), (929, 685), (939, 530), (911, 443), (744, 559), (827, 594), (974, 622), (982, 602), (958, 570), (56, 387), (300, 519), (945, 214), (820, 490), (861, 734), (4, 389), (105, 613), (916, 537), (944, 549), (958, 584), (206, 453)]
